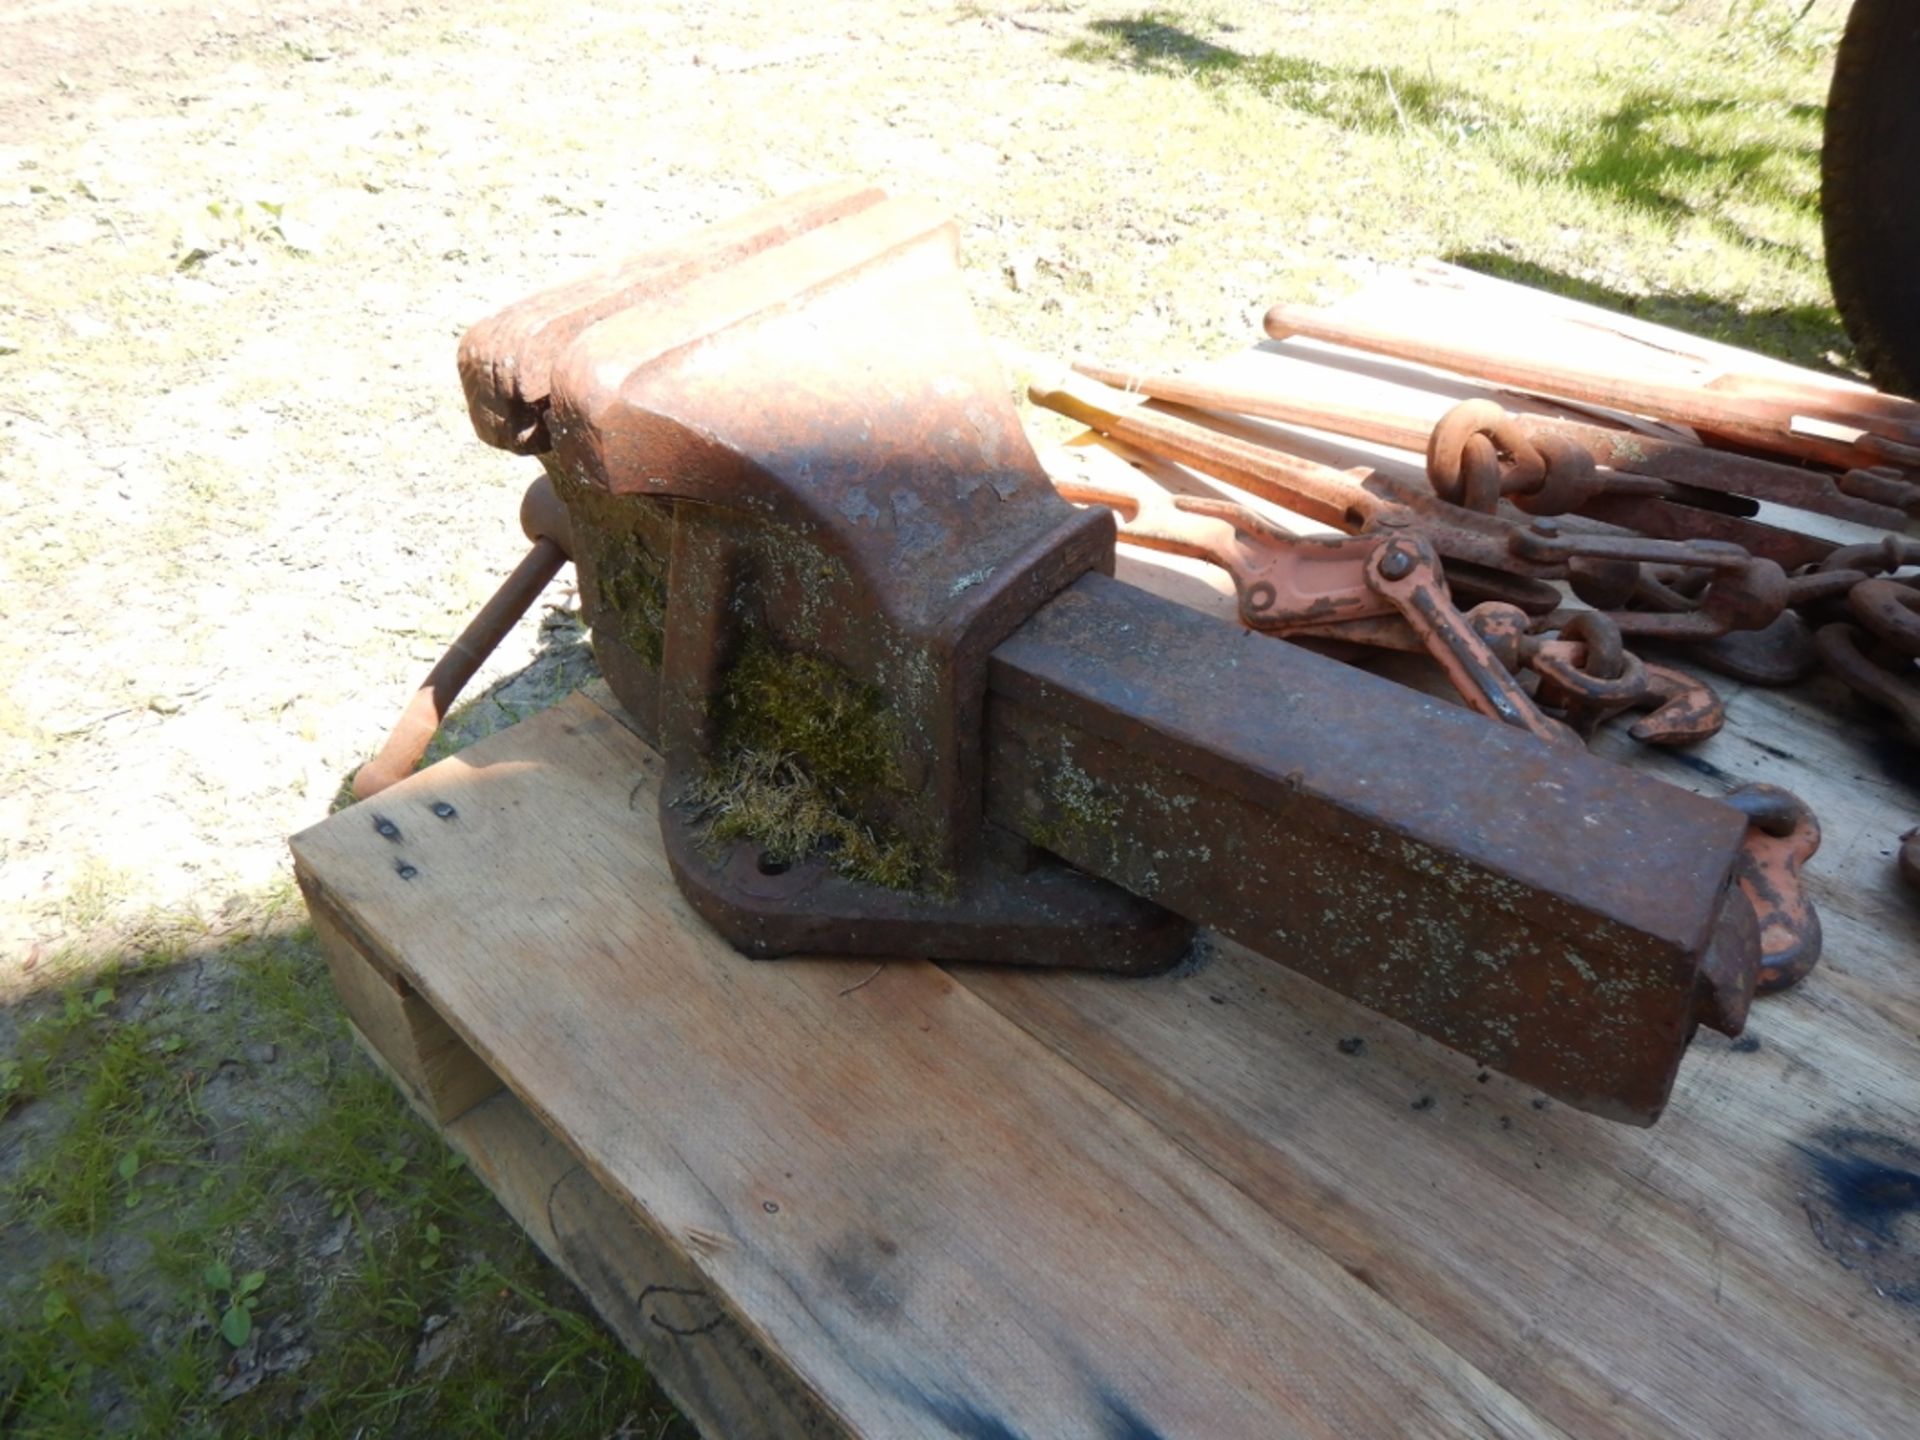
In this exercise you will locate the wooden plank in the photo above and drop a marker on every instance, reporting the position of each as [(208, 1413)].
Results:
[(636, 1279), (940, 1225), (641, 1284), (432, 1065), (1718, 1275)]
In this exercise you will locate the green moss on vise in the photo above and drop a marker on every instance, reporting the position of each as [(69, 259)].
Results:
[(807, 748), (770, 800), (839, 728), (629, 599)]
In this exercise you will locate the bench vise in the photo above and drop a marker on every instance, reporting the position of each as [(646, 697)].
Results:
[(905, 709)]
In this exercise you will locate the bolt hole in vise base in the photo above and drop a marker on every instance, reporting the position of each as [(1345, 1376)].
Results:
[(905, 709)]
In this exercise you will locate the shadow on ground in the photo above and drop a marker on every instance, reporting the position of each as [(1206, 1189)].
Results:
[(218, 1218), (1681, 155), (1631, 153), (1378, 98)]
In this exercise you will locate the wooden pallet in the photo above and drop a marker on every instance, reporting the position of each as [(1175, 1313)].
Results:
[(819, 1199), (823, 1197)]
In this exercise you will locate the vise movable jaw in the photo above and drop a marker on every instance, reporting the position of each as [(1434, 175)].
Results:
[(906, 711)]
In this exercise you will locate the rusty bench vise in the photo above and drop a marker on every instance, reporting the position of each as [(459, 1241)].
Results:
[(905, 709)]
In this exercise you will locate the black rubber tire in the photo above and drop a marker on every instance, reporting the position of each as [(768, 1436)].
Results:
[(1870, 188)]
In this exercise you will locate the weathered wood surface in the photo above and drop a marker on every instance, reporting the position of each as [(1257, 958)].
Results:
[(640, 1281), (936, 1221), (1221, 1202), (1068, 1205)]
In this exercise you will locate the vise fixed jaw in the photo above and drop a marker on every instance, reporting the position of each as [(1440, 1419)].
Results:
[(906, 710), (802, 525)]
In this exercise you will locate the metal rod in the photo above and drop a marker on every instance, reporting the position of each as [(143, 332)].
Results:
[(1349, 500), (1838, 436), (418, 723), (544, 520), (1623, 451)]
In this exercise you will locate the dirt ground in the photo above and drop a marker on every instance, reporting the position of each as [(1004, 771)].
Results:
[(244, 508), (243, 503)]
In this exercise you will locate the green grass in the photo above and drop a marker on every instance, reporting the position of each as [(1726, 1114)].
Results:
[(1656, 158), (176, 1209), (1619, 154)]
